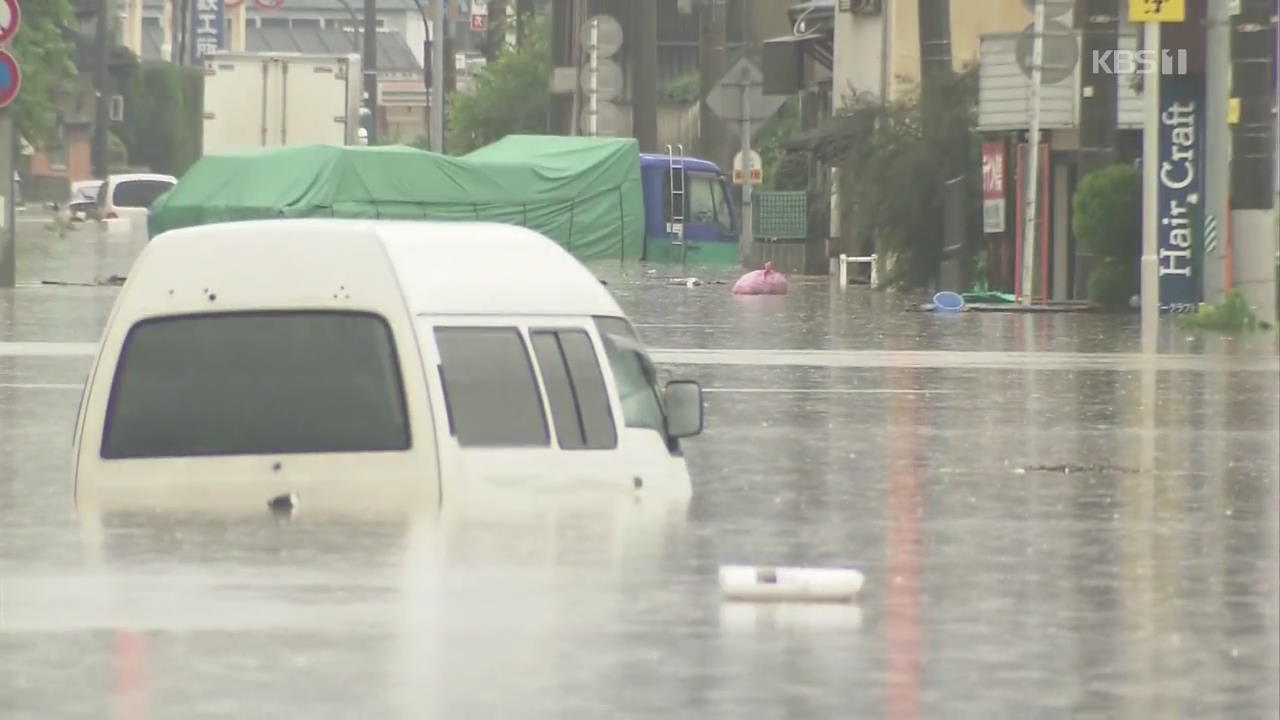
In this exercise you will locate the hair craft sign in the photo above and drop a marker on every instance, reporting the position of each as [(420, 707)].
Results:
[(1179, 204)]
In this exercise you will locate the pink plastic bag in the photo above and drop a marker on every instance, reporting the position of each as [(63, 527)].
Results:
[(761, 282)]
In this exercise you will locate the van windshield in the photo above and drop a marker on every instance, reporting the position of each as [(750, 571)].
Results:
[(634, 373), (256, 383)]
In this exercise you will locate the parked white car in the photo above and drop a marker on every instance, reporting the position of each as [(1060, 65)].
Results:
[(124, 201), (365, 363)]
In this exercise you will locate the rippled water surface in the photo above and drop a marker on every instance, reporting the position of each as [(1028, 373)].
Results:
[(1050, 526)]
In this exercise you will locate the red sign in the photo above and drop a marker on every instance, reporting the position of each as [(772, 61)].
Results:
[(10, 78), (993, 170), (993, 192), (479, 22), (10, 19)]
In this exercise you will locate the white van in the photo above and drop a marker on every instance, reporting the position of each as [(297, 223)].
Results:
[(371, 363), (124, 201)]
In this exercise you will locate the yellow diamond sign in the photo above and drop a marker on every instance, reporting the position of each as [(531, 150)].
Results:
[(1157, 10)]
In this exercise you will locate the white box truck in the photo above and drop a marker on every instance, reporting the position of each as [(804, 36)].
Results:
[(262, 100)]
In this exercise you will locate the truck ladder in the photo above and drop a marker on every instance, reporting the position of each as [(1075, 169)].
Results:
[(676, 178)]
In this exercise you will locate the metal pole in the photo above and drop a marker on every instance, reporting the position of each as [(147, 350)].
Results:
[(1150, 193), (101, 79), (747, 241), (1217, 147), (437, 77), (1033, 159), (594, 125), (8, 244), (371, 66)]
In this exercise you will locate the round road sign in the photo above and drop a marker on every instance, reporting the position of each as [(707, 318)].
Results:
[(10, 78), (10, 19)]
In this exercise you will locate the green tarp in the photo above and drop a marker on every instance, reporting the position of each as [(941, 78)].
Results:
[(586, 197)]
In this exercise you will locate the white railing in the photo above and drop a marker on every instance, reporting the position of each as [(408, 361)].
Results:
[(844, 262)]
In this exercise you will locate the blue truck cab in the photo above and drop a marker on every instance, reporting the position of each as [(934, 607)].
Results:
[(690, 215)]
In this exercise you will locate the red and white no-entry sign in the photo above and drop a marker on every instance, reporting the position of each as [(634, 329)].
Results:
[(10, 19), (10, 78)]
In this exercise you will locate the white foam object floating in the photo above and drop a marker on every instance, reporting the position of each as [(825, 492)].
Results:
[(765, 584)]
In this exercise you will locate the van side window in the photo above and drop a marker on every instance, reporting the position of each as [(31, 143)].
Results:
[(575, 390), (635, 375), (256, 383), (489, 386)]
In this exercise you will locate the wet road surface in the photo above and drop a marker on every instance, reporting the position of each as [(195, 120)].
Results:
[(1050, 526)]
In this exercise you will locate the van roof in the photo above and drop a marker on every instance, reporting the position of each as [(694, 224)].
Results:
[(125, 177), (449, 268)]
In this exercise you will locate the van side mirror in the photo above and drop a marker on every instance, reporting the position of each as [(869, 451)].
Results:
[(684, 408)]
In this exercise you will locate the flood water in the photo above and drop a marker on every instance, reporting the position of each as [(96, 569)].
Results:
[(1050, 526)]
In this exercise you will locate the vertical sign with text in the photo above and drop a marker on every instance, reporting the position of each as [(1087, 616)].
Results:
[(993, 192), (208, 20), (1180, 192)]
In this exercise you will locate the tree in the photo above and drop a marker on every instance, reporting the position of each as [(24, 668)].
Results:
[(1107, 221), (511, 95), (44, 52), (895, 161)]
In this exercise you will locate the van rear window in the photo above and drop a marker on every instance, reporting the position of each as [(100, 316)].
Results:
[(256, 383)]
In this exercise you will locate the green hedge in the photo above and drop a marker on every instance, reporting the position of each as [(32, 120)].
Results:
[(163, 117), (1107, 213)]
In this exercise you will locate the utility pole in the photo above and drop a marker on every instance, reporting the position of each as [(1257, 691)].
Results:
[(564, 28), (1150, 294), (8, 233), (102, 90), (1030, 224), (371, 66), (593, 127), (438, 76), (711, 43), (644, 91), (1100, 25), (1217, 149), (934, 24), (746, 243), (1253, 223)]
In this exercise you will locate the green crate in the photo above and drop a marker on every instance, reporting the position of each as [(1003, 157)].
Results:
[(781, 215)]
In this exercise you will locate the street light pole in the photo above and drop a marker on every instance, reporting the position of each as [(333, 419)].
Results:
[(438, 76), (1150, 192), (371, 66), (1033, 158), (1217, 147)]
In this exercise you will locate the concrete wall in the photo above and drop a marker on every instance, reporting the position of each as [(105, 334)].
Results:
[(970, 20), (1253, 250), (859, 47)]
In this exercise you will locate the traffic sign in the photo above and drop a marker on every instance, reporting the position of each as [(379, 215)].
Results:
[(608, 38), (479, 23), (10, 78), (757, 168), (10, 19), (725, 99), (1157, 11)]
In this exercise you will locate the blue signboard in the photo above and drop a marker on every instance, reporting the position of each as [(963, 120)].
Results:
[(1181, 190), (207, 22)]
